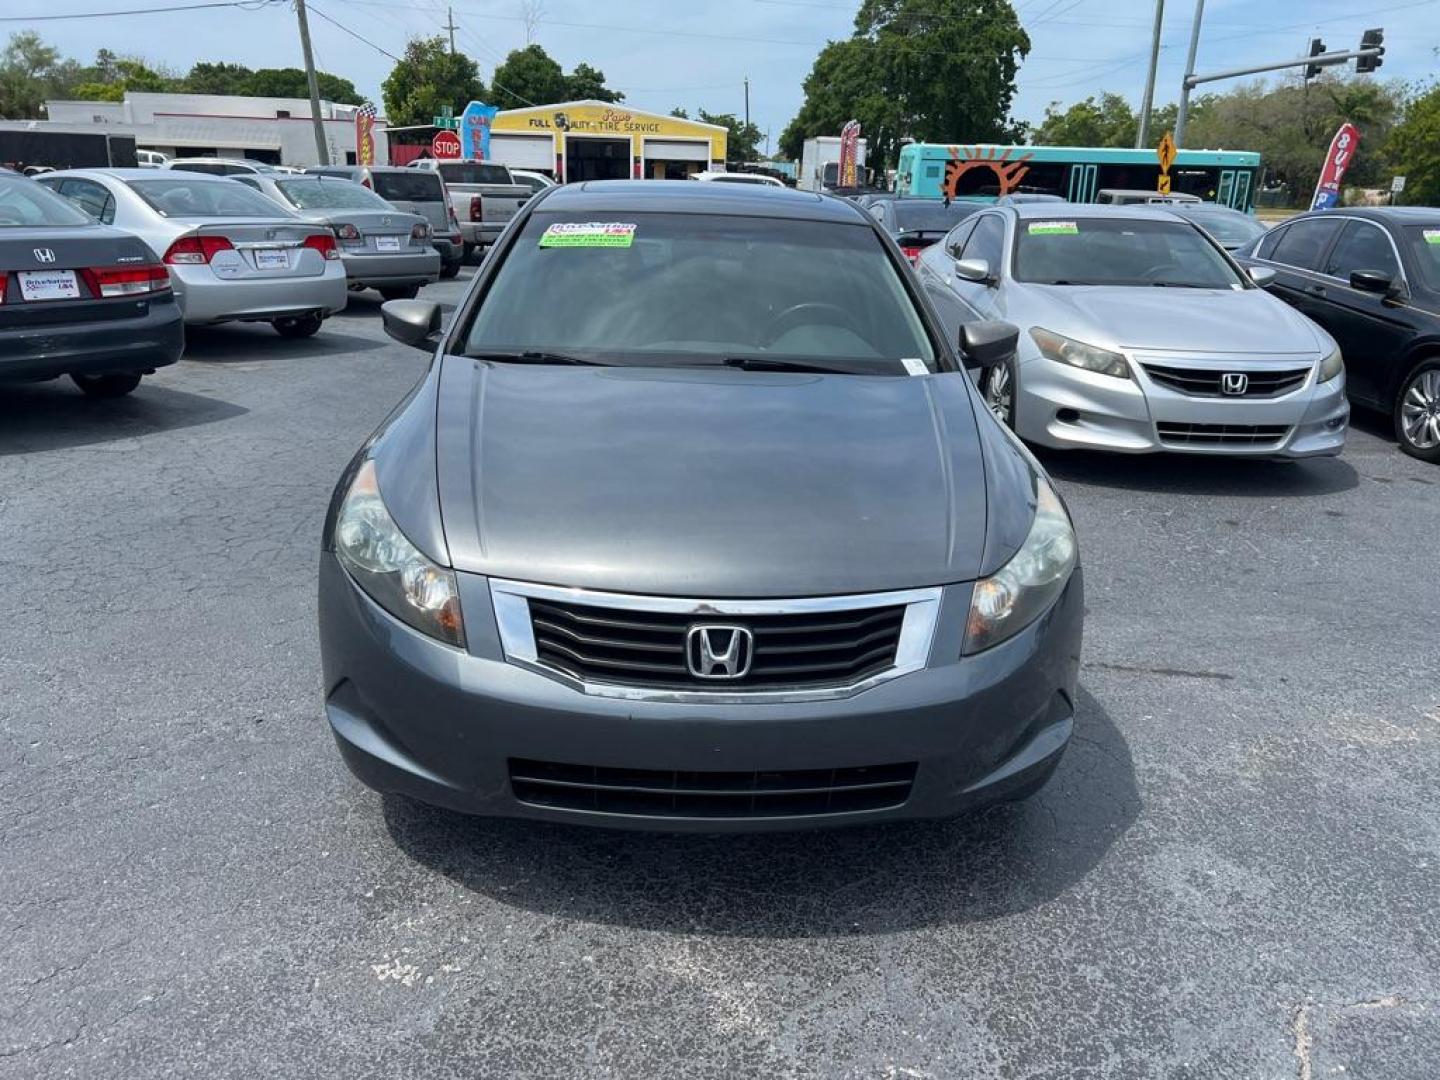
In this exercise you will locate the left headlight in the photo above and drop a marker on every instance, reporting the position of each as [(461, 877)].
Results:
[(1020, 591), (390, 569), (1331, 366)]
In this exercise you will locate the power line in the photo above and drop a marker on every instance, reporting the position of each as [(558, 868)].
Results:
[(353, 34), (248, 5)]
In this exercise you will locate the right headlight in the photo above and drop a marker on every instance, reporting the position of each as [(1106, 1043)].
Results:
[(390, 569), (1332, 365), (1064, 350), (1020, 591)]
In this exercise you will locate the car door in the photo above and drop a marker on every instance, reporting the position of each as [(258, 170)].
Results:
[(1296, 252), (937, 273), (987, 243), (1371, 329)]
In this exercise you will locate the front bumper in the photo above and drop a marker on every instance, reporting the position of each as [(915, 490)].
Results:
[(206, 298), (416, 717), (371, 271), (1066, 408), (141, 342)]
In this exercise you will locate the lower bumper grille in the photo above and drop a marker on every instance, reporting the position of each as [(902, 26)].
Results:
[(1201, 382), (1221, 434), (688, 794)]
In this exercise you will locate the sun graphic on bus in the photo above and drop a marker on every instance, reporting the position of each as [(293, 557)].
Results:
[(966, 158)]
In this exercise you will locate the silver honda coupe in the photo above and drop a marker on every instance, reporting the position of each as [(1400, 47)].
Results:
[(1138, 334)]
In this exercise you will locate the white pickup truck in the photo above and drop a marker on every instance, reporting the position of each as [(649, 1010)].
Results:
[(483, 195)]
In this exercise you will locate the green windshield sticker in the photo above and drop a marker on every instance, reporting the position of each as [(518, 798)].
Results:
[(592, 234), (1432, 236), (1053, 228)]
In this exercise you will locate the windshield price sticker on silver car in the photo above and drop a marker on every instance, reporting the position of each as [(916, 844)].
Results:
[(601, 234), (1054, 228)]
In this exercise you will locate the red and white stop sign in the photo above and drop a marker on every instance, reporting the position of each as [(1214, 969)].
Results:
[(445, 144)]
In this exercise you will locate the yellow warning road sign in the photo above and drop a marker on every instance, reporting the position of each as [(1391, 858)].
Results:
[(1166, 152), (1164, 186)]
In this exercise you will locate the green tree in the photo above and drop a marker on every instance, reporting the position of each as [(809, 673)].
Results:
[(124, 76), (428, 78), (529, 77), (1413, 148), (221, 78), (291, 83), (28, 70), (743, 142), (932, 70), (1106, 122), (586, 83)]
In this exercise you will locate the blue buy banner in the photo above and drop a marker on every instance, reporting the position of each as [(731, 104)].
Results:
[(475, 124)]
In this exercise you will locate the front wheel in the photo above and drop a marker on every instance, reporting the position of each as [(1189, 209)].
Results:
[(1417, 411), (106, 386), (998, 388), (400, 292), (297, 326)]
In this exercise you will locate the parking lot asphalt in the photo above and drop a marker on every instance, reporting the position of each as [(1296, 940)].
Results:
[(1235, 872)]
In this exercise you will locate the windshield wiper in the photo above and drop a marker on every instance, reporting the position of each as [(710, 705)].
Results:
[(833, 367), (532, 356), (1181, 285)]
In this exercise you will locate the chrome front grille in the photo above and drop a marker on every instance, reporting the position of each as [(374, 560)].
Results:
[(1220, 434), (620, 645), (1204, 382)]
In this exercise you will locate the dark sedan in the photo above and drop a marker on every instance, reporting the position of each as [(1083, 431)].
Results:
[(698, 522), (915, 224), (77, 298), (1371, 277), (1231, 229)]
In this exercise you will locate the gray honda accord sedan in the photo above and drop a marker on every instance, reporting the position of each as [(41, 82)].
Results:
[(697, 521)]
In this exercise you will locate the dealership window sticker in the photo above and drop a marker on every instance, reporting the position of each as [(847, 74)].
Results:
[(592, 234), (1432, 236), (1054, 228)]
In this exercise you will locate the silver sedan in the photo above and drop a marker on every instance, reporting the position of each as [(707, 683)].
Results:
[(1139, 334), (233, 255), (382, 248)]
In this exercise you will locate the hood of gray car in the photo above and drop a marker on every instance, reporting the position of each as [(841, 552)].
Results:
[(1186, 320), (713, 483)]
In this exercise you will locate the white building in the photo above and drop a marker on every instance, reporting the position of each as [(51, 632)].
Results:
[(275, 130)]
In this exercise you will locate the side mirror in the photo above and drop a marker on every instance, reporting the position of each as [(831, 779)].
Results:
[(974, 270), (412, 322), (1372, 281), (1262, 275), (988, 342)]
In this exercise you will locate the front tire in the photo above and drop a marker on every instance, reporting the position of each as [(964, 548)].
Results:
[(998, 387), (297, 326), (106, 386), (1417, 411)]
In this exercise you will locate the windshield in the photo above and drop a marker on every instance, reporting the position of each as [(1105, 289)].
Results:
[(329, 195), (1424, 244), (474, 172), (414, 184), (25, 202), (1228, 228), (675, 289), (929, 217), (1119, 251), (194, 196)]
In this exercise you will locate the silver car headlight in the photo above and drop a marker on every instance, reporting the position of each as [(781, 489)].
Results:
[(1024, 588), (1064, 350), (1331, 366), (390, 569)]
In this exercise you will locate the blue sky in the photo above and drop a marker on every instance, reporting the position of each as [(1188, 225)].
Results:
[(697, 53)]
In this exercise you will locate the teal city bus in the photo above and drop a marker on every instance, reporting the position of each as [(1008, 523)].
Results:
[(1074, 173)]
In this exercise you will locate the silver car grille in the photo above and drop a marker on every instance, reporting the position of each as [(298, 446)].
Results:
[(1205, 382), (1172, 434), (619, 645)]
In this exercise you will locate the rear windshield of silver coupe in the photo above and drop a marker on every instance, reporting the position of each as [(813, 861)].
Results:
[(330, 195), (1118, 251), (412, 185), (194, 195), (656, 287)]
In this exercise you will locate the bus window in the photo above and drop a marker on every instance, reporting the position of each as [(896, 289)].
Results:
[(1045, 178), (1201, 182)]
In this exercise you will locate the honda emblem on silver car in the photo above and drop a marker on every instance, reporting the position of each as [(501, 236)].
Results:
[(44, 255), (1234, 382), (719, 652)]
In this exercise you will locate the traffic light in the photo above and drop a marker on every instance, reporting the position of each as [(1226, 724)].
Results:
[(1371, 39), (1316, 48)]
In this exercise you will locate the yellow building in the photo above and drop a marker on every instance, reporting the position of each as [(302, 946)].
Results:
[(594, 140)]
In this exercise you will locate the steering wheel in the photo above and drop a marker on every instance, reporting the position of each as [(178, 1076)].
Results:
[(804, 314)]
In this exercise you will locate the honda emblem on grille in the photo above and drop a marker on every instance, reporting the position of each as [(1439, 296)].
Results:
[(44, 255), (719, 652), (1234, 382)]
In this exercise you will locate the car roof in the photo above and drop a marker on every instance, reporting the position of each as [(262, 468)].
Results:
[(1026, 211), (673, 196), (1395, 215), (144, 174)]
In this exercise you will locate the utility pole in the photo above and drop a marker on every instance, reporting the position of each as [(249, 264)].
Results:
[(747, 101), (1142, 138), (450, 25), (320, 149), (1189, 71)]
